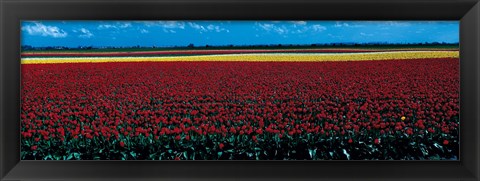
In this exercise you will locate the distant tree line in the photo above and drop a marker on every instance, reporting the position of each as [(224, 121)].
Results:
[(192, 46)]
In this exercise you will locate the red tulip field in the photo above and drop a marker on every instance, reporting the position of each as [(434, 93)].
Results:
[(404, 109)]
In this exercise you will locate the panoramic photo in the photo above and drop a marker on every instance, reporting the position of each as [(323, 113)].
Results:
[(240, 90)]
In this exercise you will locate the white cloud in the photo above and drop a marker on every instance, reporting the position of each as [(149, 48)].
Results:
[(420, 30), (318, 28), (299, 22), (117, 25), (295, 28), (144, 31), (340, 24), (165, 24), (85, 33), (43, 30), (365, 34), (197, 26), (125, 25), (169, 31), (281, 30), (105, 26), (396, 23), (265, 26), (274, 28), (387, 25), (208, 28), (211, 27)]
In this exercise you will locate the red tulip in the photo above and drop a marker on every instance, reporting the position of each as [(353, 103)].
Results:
[(223, 100), (445, 142)]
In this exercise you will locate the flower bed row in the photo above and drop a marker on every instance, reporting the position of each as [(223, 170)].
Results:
[(385, 110)]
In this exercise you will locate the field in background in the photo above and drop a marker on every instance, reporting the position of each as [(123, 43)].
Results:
[(258, 47), (282, 104)]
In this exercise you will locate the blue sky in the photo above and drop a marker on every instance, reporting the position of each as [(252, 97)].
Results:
[(200, 33)]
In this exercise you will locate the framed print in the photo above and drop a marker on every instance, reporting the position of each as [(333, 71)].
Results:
[(240, 90), (304, 90)]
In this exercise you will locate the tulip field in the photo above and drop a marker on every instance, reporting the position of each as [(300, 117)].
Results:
[(241, 105)]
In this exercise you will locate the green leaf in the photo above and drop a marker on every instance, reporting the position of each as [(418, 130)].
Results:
[(185, 155), (311, 152), (76, 155), (70, 156), (48, 157), (424, 151), (220, 154), (346, 154), (124, 156), (134, 155), (193, 156), (152, 156), (438, 146), (391, 138)]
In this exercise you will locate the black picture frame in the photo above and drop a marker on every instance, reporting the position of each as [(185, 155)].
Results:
[(466, 11)]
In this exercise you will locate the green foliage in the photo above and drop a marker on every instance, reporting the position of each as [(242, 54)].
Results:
[(242, 147)]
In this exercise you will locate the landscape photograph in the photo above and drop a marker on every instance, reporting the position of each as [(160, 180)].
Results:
[(240, 90)]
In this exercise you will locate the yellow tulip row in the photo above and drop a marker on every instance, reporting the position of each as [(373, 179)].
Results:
[(265, 57)]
